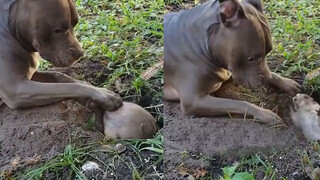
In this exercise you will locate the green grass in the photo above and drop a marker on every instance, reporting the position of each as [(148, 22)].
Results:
[(229, 173), (71, 158), (74, 156), (256, 164), (295, 29), (127, 36)]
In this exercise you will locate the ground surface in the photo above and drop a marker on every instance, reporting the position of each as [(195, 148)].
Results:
[(201, 147), (122, 41)]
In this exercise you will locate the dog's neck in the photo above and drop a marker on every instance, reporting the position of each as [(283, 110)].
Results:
[(213, 32), (17, 26)]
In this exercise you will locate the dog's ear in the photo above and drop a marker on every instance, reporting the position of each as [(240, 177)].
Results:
[(230, 11), (255, 3)]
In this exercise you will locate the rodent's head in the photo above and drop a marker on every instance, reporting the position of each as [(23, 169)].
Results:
[(303, 102)]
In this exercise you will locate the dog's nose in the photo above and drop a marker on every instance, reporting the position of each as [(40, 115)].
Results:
[(76, 53)]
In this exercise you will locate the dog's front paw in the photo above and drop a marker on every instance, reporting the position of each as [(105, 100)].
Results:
[(290, 86), (268, 117), (108, 100)]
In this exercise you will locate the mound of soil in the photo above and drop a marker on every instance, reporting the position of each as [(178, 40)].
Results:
[(41, 133)]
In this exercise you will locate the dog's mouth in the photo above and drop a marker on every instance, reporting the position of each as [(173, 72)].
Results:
[(57, 60), (63, 62)]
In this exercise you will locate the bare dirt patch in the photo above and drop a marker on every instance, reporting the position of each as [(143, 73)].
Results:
[(41, 132)]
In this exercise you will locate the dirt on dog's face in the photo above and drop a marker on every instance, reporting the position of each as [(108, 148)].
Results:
[(305, 103), (51, 24), (243, 42)]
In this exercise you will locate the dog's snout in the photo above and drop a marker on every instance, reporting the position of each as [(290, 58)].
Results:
[(76, 53)]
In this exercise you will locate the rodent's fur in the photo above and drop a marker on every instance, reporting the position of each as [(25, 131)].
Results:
[(305, 116)]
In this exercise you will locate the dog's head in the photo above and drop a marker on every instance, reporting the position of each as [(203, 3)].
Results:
[(48, 27), (243, 41)]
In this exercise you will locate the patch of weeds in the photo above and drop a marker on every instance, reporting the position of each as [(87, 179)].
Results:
[(229, 173), (44, 65), (295, 30), (170, 2), (153, 145), (259, 167), (143, 158), (69, 160), (250, 168), (127, 36)]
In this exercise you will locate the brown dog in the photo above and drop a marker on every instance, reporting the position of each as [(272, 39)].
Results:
[(44, 26), (206, 45)]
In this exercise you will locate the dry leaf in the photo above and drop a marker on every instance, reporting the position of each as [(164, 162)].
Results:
[(199, 173), (153, 70), (182, 169), (33, 161)]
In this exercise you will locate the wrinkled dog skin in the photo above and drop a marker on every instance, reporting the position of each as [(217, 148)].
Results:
[(45, 27), (208, 44)]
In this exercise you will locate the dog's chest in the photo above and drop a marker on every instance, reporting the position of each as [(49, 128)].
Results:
[(33, 64)]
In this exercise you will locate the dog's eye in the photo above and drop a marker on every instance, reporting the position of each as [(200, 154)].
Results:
[(60, 30), (251, 59)]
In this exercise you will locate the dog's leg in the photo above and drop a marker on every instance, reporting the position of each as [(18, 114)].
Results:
[(54, 77), (169, 93), (30, 93), (57, 77), (289, 86), (194, 101), (51, 77)]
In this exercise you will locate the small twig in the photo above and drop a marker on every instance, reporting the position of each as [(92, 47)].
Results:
[(156, 106)]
